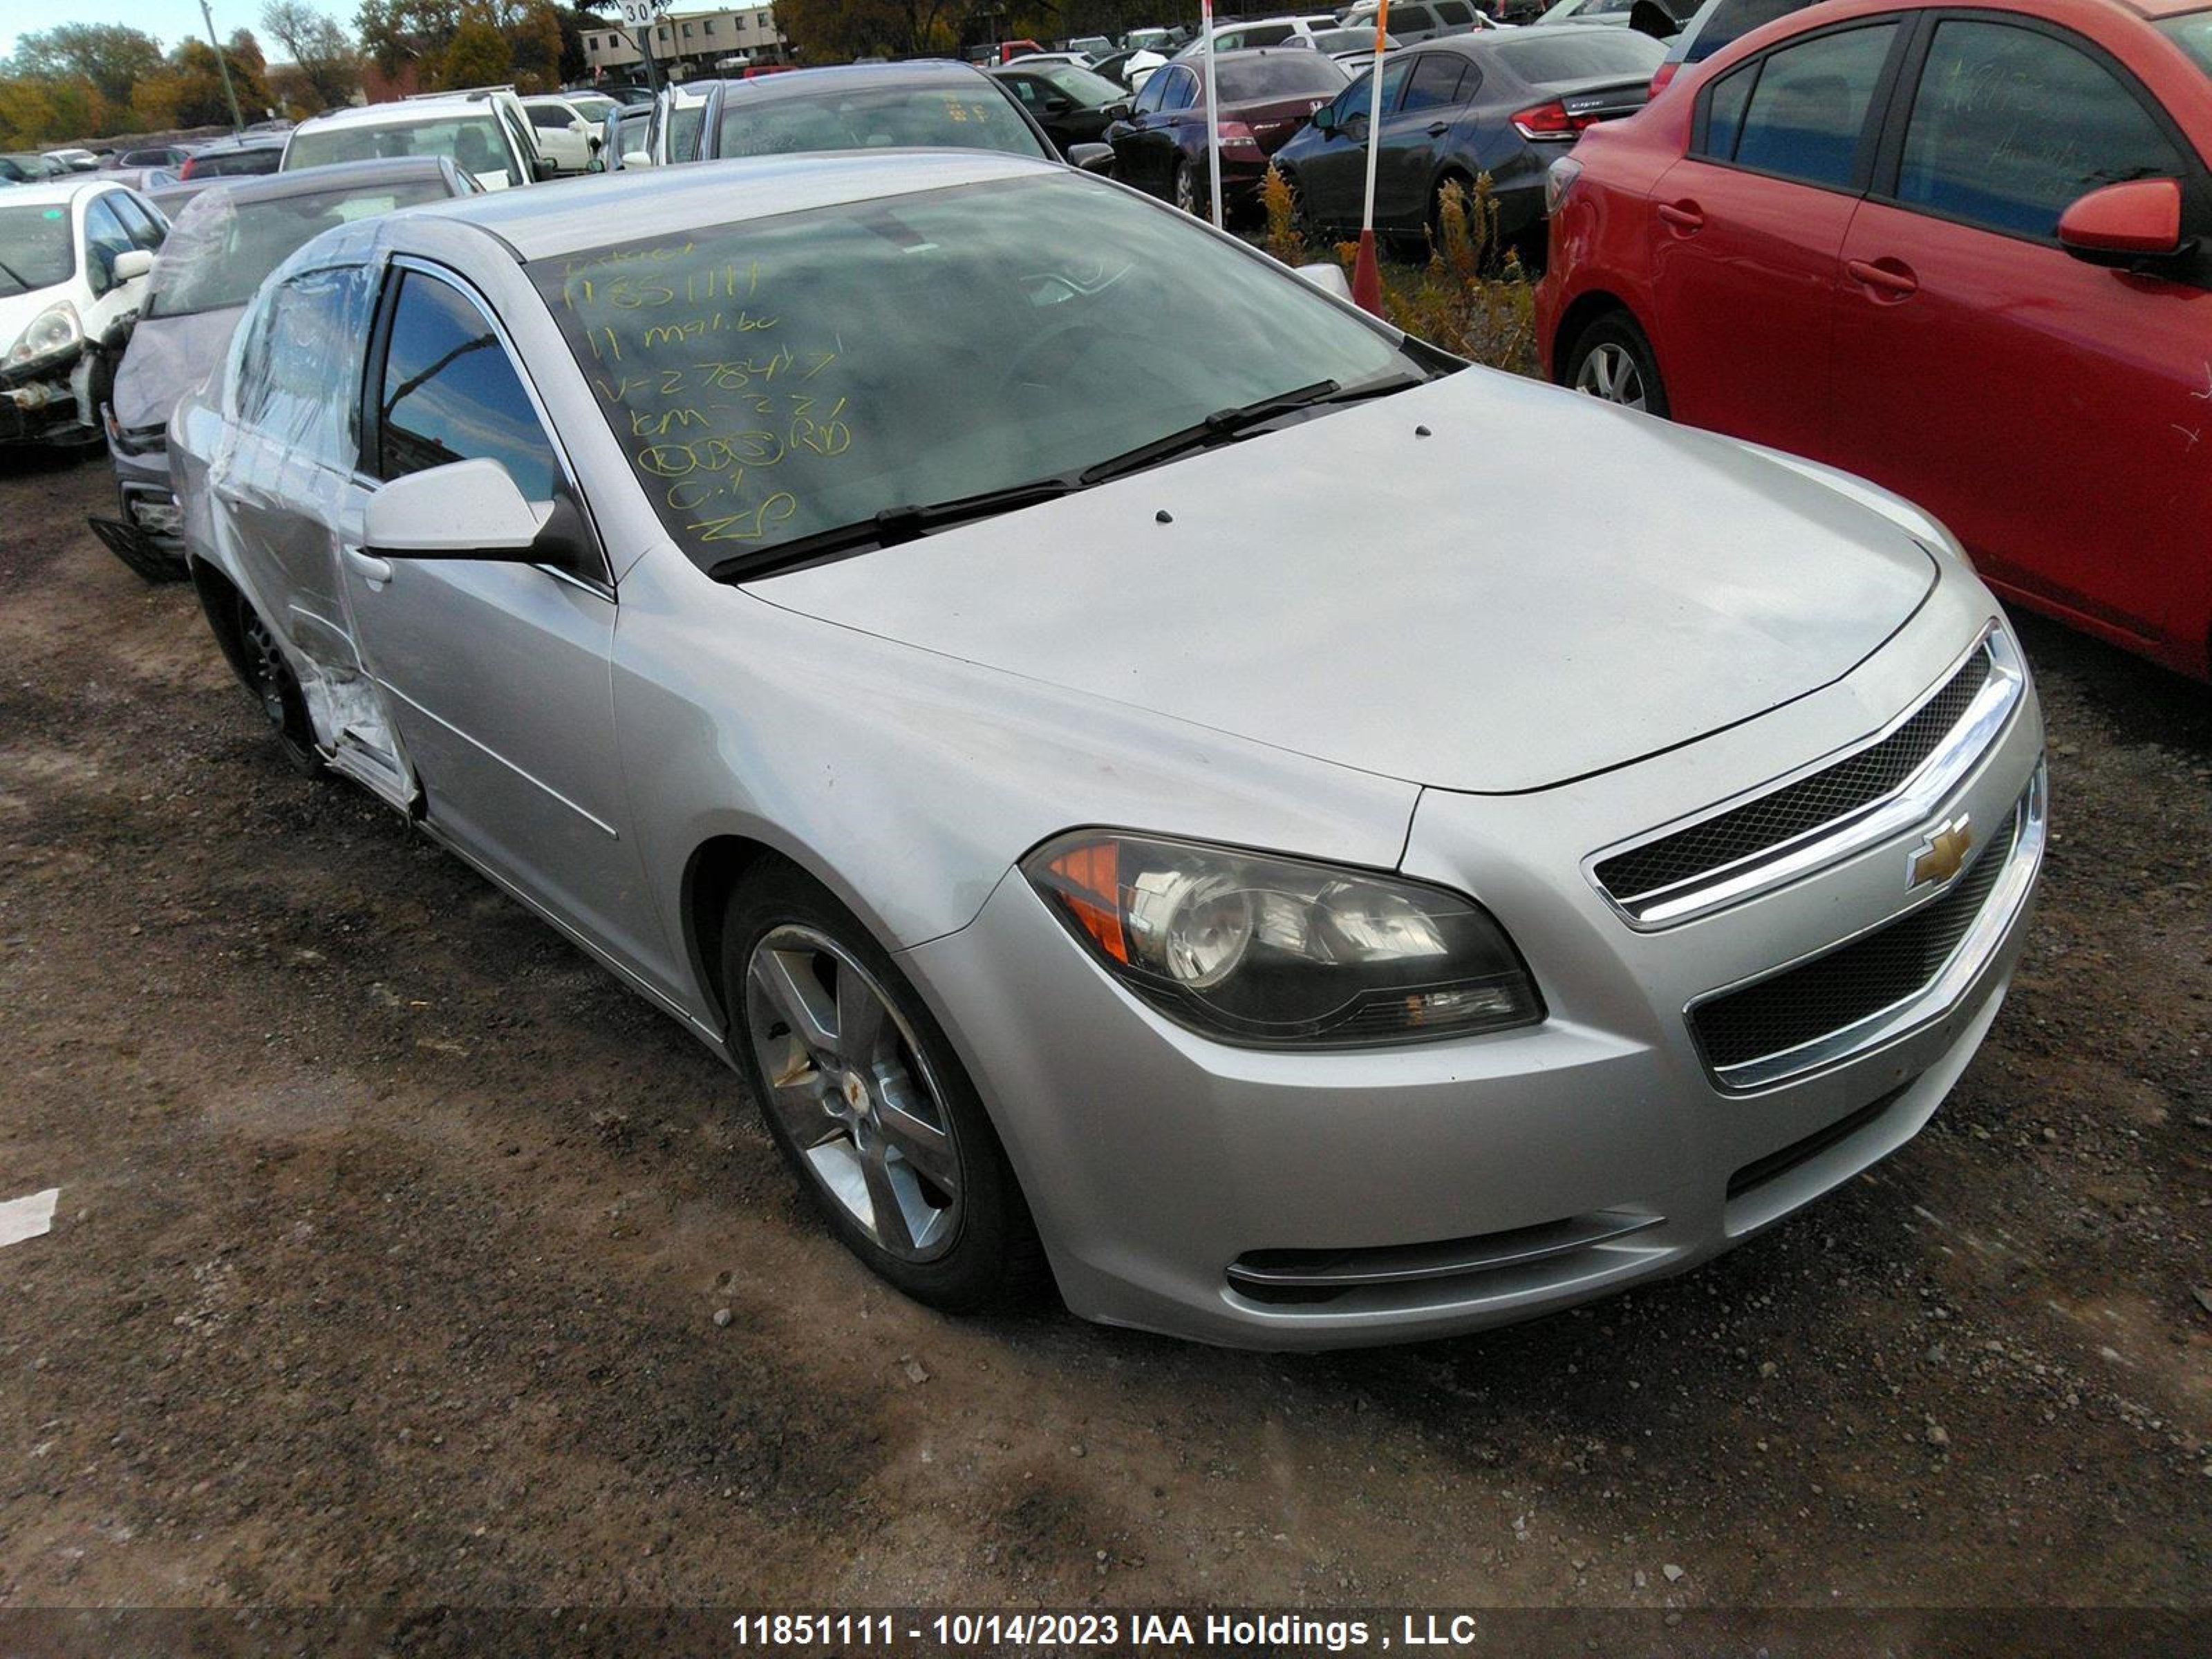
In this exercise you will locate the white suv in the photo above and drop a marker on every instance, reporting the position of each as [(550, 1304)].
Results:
[(564, 135), (1263, 32), (485, 134)]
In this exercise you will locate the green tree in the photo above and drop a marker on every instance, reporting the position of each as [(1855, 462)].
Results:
[(111, 56), (323, 53), (477, 55)]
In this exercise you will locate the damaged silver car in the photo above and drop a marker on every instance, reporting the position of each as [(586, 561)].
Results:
[(1312, 843), (221, 245)]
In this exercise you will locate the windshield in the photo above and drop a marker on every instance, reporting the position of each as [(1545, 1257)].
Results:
[(850, 116), (471, 141), (776, 378), (220, 249), (1278, 74), (36, 249), (2192, 32), (1589, 52), (1331, 41), (1094, 91)]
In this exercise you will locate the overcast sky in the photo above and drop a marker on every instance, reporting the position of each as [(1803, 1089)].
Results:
[(166, 20)]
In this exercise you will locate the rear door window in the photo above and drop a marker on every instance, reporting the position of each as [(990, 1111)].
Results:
[(2010, 126), (1436, 81), (1806, 112)]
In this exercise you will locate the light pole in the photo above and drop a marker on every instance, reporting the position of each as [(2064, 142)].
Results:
[(223, 64)]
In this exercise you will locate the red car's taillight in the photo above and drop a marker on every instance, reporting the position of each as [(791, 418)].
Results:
[(1551, 123), (185, 171), (1660, 78), (1236, 139)]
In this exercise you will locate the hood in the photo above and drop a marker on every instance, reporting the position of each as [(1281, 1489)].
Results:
[(19, 311), (1545, 587), (166, 358)]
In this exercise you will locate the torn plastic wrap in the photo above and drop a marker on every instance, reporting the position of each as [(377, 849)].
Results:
[(294, 382), (168, 356)]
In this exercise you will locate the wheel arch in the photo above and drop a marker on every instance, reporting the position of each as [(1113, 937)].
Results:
[(711, 874), (1584, 309), (220, 599)]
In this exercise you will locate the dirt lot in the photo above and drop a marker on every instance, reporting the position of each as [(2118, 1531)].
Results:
[(393, 1235)]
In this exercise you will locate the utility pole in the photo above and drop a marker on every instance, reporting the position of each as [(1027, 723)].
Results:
[(222, 64)]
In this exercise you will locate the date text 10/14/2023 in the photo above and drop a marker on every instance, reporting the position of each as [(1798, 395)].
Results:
[(1188, 1631)]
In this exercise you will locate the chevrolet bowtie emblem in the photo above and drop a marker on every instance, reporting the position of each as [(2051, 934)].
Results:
[(1941, 853)]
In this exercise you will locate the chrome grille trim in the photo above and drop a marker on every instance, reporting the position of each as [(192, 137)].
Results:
[(1912, 802), (2022, 856)]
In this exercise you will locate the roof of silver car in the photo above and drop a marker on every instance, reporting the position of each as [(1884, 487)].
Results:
[(543, 221)]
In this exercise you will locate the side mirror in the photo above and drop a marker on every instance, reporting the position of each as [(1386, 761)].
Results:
[(1092, 158), (1324, 118), (133, 264), (1056, 104), (636, 158), (2123, 224), (1328, 277), (542, 168), (463, 510)]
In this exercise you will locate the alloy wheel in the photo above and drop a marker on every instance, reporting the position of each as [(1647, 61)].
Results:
[(1611, 374), (266, 669), (848, 1082)]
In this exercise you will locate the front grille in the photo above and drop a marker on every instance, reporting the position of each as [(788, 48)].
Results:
[(1854, 782), (1854, 981), (1775, 1165)]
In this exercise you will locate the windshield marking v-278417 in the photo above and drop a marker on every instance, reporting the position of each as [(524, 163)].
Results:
[(866, 372)]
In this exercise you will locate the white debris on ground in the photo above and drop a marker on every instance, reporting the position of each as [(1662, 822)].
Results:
[(27, 1218)]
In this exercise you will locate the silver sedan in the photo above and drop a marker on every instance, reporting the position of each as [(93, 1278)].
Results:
[(1298, 843)]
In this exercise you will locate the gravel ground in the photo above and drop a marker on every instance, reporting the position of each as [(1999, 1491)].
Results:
[(401, 1258)]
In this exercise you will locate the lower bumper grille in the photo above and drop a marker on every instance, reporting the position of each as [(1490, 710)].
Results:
[(1502, 1261), (1854, 984)]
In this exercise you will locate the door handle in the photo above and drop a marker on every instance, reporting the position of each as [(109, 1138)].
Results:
[(1685, 216), (1892, 279), (1438, 128), (368, 566)]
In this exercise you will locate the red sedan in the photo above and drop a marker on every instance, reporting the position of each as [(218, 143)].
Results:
[(1965, 252)]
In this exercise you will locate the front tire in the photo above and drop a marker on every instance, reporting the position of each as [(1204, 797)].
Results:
[(870, 1105), (1612, 361)]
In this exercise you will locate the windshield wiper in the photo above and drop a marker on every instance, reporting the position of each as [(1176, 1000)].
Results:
[(893, 525), (21, 286), (1226, 423)]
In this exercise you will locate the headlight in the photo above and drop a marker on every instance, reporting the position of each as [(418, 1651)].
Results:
[(54, 332), (1268, 950)]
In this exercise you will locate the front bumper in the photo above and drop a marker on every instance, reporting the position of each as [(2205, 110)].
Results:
[(1283, 1200), (41, 409), (149, 505)]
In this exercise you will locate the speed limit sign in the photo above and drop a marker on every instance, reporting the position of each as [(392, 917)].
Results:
[(638, 13)]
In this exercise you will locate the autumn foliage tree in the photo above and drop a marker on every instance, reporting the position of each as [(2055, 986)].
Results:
[(466, 43)]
